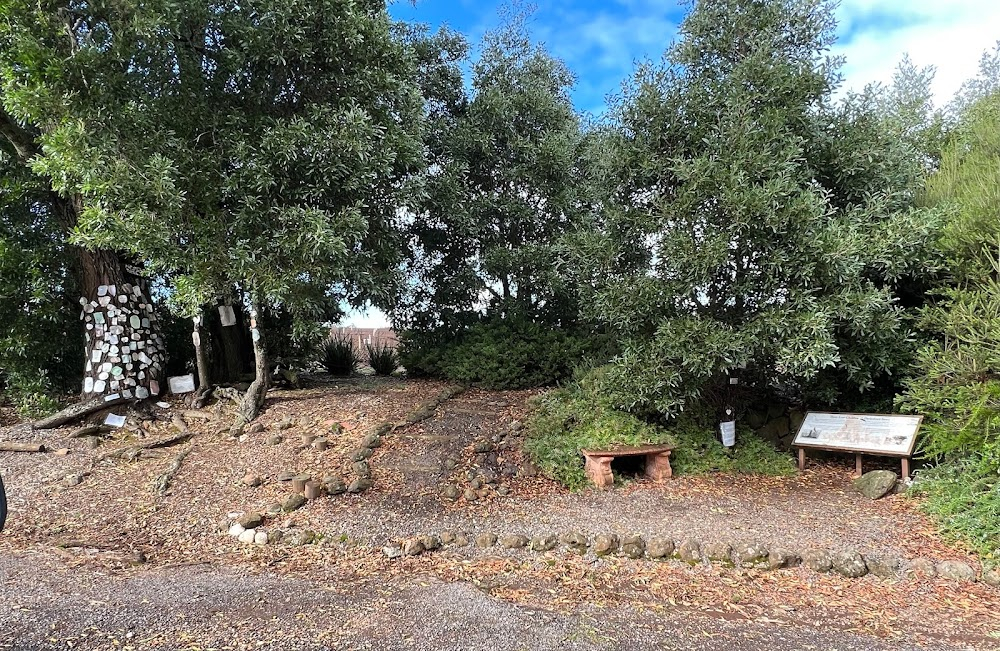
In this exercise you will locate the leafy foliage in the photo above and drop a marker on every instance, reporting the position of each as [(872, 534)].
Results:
[(382, 358), (743, 229), (580, 416), (338, 356), (501, 354)]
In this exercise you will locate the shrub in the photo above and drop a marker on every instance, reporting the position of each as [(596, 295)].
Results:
[(501, 354), (382, 358), (338, 356), (578, 416), (964, 497)]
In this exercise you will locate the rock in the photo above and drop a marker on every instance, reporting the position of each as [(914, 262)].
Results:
[(361, 454), (876, 484), (719, 552), (450, 492), (371, 441), (462, 540), (293, 502), (321, 444), (475, 484), (392, 551), (274, 439), (359, 485), (260, 538), (634, 546), (482, 447), (606, 543), (362, 469), (486, 540), (779, 558), (849, 563), (449, 464), (513, 541), (72, 480), (61, 452), (516, 426), (253, 480), (956, 571), (470, 495), (236, 529), (488, 477), (286, 475), (576, 541), (543, 543), (921, 567), (817, 560), (660, 548), (430, 542), (283, 424), (93, 442), (884, 566), (303, 537), (274, 509), (503, 490), (992, 577), (250, 520), (275, 536), (447, 537), (751, 554), (690, 551), (334, 485), (247, 536), (256, 428)]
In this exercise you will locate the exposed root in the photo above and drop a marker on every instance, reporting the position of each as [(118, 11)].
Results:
[(162, 483)]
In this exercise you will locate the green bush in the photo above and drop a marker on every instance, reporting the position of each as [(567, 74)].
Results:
[(578, 416), (382, 358), (338, 356), (501, 354), (964, 497)]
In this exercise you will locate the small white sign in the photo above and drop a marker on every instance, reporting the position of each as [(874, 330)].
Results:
[(227, 315), (181, 383), (728, 430), (114, 420)]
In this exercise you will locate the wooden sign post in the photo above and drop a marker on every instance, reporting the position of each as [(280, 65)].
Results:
[(884, 435)]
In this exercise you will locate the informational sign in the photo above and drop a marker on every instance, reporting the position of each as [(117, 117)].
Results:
[(114, 420), (879, 434), (181, 384), (728, 430), (227, 315)]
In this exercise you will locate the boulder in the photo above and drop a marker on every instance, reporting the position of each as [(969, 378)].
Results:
[(576, 541), (513, 541), (362, 469), (470, 495), (482, 447), (660, 548), (884, 566), (413, 547), (876, 483), (236, 529), (286, 475), (252, 480), (247, 536), (779, 558), (719, 552), (447, 537), (817, 560), (392, 551), (461, 540), (450, 492), (849, 563), (250, 520), (606, 543), (371, 441), (634, 546), (543, 543), (430, 542), (751, 554), (275, 439), (486, 540), (992, 577), (260, 538), (361, 454), (359, 485), (690, 551), (334, 485), (921, 567), (956, 571), (293, 502), (303, 537)]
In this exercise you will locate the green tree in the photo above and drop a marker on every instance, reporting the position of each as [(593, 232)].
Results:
[(262, 146), (740, 234)]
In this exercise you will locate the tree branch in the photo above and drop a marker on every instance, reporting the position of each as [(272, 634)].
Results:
[(19, 137)]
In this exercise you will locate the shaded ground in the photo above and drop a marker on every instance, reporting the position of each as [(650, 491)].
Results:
[(69, 556)]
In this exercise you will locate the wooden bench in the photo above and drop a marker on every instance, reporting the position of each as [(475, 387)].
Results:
[(598, 462)]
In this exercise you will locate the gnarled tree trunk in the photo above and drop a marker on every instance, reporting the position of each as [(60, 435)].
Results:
[(253, 400)]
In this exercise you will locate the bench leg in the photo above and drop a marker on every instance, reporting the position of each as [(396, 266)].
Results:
[(658, 466), (599, 471)]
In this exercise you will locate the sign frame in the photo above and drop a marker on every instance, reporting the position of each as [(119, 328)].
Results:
[(858, 450)]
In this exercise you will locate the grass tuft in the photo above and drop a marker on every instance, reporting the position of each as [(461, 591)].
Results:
[(338, 356)]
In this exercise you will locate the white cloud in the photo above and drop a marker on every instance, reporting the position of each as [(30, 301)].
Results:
[(950, 36)]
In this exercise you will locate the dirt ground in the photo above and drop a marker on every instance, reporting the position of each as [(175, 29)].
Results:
[(113, 563)]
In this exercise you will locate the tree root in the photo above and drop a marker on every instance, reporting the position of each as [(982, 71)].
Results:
[(162, 483), (77, 411), (117, 453)]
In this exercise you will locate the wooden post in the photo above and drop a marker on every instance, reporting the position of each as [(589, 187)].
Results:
[(905, 462), (857, 465), (802, 459)]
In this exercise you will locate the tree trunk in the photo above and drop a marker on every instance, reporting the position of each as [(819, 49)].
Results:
[(125, 352), (253, 400), (201, 359)]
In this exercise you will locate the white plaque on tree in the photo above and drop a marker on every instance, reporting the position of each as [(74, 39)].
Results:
[(880, 434), (181, 383), (226, 315)]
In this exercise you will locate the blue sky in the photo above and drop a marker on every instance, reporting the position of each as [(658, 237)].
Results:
[(601, 40)]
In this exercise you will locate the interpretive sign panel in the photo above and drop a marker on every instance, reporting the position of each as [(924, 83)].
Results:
[(879, 434)]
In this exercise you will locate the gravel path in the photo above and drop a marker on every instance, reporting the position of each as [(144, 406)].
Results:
[(50, 607)]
